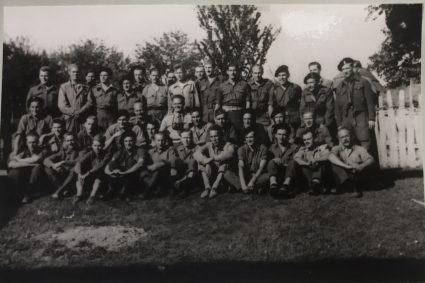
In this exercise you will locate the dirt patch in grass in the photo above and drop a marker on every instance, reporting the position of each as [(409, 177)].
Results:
[(111, 238)]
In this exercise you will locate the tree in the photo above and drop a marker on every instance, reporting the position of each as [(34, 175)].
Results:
[(170, 49), (234, 35), (91, 54), (398, 60)]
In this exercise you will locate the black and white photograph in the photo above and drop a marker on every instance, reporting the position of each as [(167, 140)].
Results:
[(212, 143)]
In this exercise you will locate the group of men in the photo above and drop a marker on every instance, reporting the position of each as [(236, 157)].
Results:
[(149, 138)]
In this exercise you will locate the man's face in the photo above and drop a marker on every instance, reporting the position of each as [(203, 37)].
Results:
[(34, 108), (104, 77), (232, 72), (69, 142), (249, 138), (179, 73), (314, 69), (247, 120), (74, 73), (57, 129), (199, 73), (171, 78), (347, 70), (257, 73), (208, 70), (281, 136), (308, 119), (138, 109), (138, 75), (96, 146), (126, 85), (32, 142), (122, 122), (282, 77), (196, 118), (186, 139), (154, 77), (344, 138), (214, 137), (279, 118), (220, 120), (44, 77), (129, 143), (151, 131), (90, 78), (308, 140), (311, 84), (356, 69), (160, 141), (177, 105), (88, 125)]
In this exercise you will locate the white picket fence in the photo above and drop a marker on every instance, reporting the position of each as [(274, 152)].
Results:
[(399, 131)]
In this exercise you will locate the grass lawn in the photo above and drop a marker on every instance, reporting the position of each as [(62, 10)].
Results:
[(233, 228)]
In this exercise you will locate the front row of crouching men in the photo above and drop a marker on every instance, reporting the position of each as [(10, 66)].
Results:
[(154, 166)]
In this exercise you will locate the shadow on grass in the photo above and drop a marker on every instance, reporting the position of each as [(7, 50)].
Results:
[(348, 270), (9, 200)]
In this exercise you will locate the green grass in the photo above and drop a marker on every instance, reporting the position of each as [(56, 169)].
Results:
[(383, 224)]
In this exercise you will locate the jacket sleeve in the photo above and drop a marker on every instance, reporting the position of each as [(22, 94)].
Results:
[(369, 100), (63, 103), (330, 108)]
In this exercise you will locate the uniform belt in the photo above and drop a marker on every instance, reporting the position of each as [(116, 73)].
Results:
[(232, 108)]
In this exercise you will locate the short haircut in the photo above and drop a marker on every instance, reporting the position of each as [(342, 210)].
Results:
[(357, 64), (310, 112), (178, 66), (45, 69), (137, 67), (314, 76), (249, 111), (106, 69), (282, 127), (153, 69), (178, 96), (39, 100), (126, 134), (32, 134), (215, 128), (91, 71), (307, 131), (153, 122), (100, 138), (68, 134), (196, 109), (219, 112), (258, 66), (58, 121), (199, 66), (278, 110), (72, 65), (246, 131), (125, 78), (314, 63), (91, 117), (233, 64), (162, 133), (121, 113), (344, 129)]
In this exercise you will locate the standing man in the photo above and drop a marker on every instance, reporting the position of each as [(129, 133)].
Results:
[(354, 104), (199, 73), (287, 95), (46, 91), (90, 78), (208, 89), (234, 96), (316, 68), (185, 88), (260, 92), (170, 78), (319, 100), (156, 97), (126, 97), (139, 82), (53, 141), (74, 100), (349, 163)]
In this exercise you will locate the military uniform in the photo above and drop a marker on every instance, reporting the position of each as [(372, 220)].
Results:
[(74, 102), (156, 100), (228, 134), (188, 91), (260, 95), (251, 159), (288, 96), (354, 107), (49, 94), (321, 135), (208, 90), (30, 124), (260, 135), (174, 124), (64, 177), (105, 102), (318, 155), (200, 135), (233, 98), (321, 104), (141, 137), (93, 163), (85, 140), (126, 102), (52, 143), (287, 169)]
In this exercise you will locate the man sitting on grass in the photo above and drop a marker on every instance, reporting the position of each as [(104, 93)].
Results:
[(281, 166), (252, 163), (277, 118), (199, 128), (124, 168), (320, 132), (90, 169), (26, 166), (349, 163), (312, 160), (87, 133), (185, 164), (53, 141), (213, 161), (59, 166)]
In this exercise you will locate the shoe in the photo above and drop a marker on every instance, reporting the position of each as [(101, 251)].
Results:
[(356, 194), (316, 189), (90, 200), (213, 193), (76, 199), (274, 189), (26, 199), (55, 196), (327, 191), (284, 190), (205, 193)]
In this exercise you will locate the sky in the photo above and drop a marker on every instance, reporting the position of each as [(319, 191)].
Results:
[(324, 33)]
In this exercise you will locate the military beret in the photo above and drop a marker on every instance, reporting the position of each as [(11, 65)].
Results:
[(220, 111), (314, 76), (280, 69), (106, 69), (344, 61), (278, 110)]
